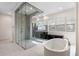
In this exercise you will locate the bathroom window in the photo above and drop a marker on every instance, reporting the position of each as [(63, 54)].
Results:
[(60, 27), (51, 27), (41, 28), (70, 27)]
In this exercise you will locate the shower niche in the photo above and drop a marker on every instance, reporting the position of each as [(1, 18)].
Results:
[(23, 25)]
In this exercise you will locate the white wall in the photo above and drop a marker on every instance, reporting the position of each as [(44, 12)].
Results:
[(6, 23), (65, 16)]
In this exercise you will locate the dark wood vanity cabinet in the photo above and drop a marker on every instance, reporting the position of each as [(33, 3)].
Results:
[(45, 35)]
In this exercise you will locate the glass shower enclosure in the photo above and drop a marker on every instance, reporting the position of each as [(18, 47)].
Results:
[(23, 24)]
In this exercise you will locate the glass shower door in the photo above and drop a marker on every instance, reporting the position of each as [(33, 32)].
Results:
[(18, 28), (23, 27), (22, 22)]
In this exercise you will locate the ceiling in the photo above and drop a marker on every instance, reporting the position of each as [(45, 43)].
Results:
[(53, 7), (8, 7), (46, 7)]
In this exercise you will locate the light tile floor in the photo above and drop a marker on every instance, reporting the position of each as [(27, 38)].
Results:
[(12, 49)]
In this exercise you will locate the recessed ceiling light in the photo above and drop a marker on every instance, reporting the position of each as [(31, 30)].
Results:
[(45, 17)]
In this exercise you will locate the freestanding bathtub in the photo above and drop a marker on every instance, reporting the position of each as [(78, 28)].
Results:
[(57, 47)]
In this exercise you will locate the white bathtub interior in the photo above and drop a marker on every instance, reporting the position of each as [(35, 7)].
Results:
[(57, 47), (56, 44)]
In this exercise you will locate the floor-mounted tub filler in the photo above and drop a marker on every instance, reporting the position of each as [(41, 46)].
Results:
[(57, 47)]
